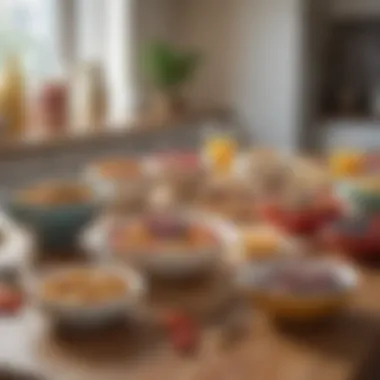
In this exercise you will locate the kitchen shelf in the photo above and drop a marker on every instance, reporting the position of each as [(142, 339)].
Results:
[(139, 128)]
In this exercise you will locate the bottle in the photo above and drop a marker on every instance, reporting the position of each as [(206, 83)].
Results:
[(88, 99), (12, 98), (51, 105)]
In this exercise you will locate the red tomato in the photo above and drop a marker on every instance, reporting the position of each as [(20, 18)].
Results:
[(298, 222), (303, 221), (10, 300)]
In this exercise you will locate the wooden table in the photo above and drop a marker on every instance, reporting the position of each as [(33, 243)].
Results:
[(335, 351)]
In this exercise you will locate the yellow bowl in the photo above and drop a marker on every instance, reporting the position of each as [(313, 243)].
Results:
[(294, 307)]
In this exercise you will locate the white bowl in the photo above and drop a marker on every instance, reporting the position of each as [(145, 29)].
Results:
[(173, 264), (16, 248), (91, 315)]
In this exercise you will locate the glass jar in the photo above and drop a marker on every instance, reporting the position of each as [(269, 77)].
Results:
[(88, 98), (51, 108)]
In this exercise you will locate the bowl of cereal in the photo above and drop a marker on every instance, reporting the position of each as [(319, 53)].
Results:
[(168, 244), (88, 295)]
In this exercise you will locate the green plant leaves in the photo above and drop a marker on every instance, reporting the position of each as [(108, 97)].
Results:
[(167, 67)]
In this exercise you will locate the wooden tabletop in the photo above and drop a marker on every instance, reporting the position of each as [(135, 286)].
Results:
[(336, 350)]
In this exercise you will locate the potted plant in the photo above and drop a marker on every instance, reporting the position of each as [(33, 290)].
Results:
[(168, 69)]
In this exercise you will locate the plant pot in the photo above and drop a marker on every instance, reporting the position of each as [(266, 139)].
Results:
[(166, 105)]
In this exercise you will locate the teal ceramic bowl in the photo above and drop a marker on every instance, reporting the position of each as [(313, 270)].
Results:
[(56, 228), (365, 201), (356, 197)]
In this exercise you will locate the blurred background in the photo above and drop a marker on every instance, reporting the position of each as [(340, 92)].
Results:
[(289, 74), (117, 116)]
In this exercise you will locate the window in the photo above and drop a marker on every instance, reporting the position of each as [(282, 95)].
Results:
[(26, 29), (52, 36)]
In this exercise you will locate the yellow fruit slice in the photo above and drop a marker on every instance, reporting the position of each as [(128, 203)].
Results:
[(261, 243)]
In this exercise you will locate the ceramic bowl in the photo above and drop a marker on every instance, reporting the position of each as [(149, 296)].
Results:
[(365, 201), (357, 197), (298, 307), (299, 221), (16, 248), (174, 264), (56, 227), (85, 315)]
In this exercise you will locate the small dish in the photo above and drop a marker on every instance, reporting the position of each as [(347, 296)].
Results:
[(183, 171), (300, 289), (88, 295), (113, 176)]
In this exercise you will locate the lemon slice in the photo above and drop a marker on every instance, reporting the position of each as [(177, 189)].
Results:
[(261, 243)]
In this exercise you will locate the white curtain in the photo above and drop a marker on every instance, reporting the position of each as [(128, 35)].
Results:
[(119, 57), (105, 34)]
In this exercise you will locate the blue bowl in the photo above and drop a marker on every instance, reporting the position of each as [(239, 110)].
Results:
[(57, 228)]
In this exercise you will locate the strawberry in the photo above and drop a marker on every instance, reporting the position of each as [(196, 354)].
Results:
[(183, 333)]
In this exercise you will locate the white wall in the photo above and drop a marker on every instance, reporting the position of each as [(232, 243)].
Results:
[(252, 54), (155, 20)]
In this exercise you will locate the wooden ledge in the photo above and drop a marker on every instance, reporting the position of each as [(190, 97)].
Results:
[(140, 127)]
